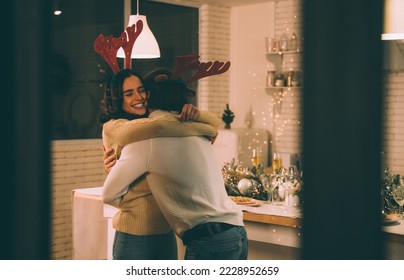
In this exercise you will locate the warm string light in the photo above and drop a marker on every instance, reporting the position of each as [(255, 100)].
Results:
[(281, 121), (292, 123), (279, 239), (287, 123), (255, 82), (281, 124)]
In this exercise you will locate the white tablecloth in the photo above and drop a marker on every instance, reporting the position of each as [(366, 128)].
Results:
[(90, 230)]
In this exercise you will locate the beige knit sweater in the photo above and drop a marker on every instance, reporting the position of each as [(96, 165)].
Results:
[(138, 211)]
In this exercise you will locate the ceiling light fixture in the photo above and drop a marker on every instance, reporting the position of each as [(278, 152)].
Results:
[(56, 8), (393, 25), (146, 45)]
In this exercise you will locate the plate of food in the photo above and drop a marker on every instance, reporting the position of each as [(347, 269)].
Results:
[(246, 201)]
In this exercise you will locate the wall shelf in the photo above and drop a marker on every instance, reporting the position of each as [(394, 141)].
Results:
[(280, 70), (282, 88), (283, 52)]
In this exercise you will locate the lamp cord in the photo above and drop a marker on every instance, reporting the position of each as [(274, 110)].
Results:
[(137, 7)]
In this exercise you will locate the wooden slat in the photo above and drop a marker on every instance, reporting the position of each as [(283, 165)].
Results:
[(297, 223), (272, 219), (394, 237)]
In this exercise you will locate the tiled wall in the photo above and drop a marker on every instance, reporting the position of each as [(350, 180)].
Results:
[(214, 44), (75, 164), (287, 125), (394, 121)]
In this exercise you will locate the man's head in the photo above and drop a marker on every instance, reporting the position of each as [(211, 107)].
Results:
[(166, 94)]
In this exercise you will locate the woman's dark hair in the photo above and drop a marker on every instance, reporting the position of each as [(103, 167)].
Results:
[(111, 104)]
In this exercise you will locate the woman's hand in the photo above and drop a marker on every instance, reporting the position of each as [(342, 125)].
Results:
[(189, 113), (109, 159), (213, 139)]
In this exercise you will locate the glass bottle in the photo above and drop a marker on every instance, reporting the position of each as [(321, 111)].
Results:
[(280, 80), (300, 44), (271, 78), (290, 78), (296, 79), (284, 43), (293, 42)]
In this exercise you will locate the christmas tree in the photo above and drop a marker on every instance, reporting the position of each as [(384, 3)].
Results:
[(227, 116)]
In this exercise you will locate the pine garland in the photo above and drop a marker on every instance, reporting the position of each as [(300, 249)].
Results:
[(388, 204)]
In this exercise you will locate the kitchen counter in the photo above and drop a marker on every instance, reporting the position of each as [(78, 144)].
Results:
[(291, 230), (272, 219), (395, 240), (267, 225), (273, 214), (394, 231)]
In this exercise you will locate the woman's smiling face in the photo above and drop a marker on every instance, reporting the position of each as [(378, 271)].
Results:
[(134, 96)]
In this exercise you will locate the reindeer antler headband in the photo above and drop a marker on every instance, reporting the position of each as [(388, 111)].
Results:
[(108, 46)]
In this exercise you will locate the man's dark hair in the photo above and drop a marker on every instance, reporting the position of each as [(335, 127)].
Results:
[(168, 95)]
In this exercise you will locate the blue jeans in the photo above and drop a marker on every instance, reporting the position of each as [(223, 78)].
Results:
[(231, 244), (145, 247)]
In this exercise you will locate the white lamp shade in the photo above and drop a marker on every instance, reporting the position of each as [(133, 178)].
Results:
[(146, 45), (393, 27)]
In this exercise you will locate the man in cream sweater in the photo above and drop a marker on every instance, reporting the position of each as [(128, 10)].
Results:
[(186, 182)]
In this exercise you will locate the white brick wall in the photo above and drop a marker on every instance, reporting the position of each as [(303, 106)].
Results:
[(75, 164), (394, 121), (214, 44), (287, 124)]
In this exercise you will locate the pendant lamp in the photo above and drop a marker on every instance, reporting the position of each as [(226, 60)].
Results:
[(393, 25), (146, 45)]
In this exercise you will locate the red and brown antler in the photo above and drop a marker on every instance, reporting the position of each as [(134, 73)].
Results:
[(184, 63), (133, 33), (205, 69), (108, 46)]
